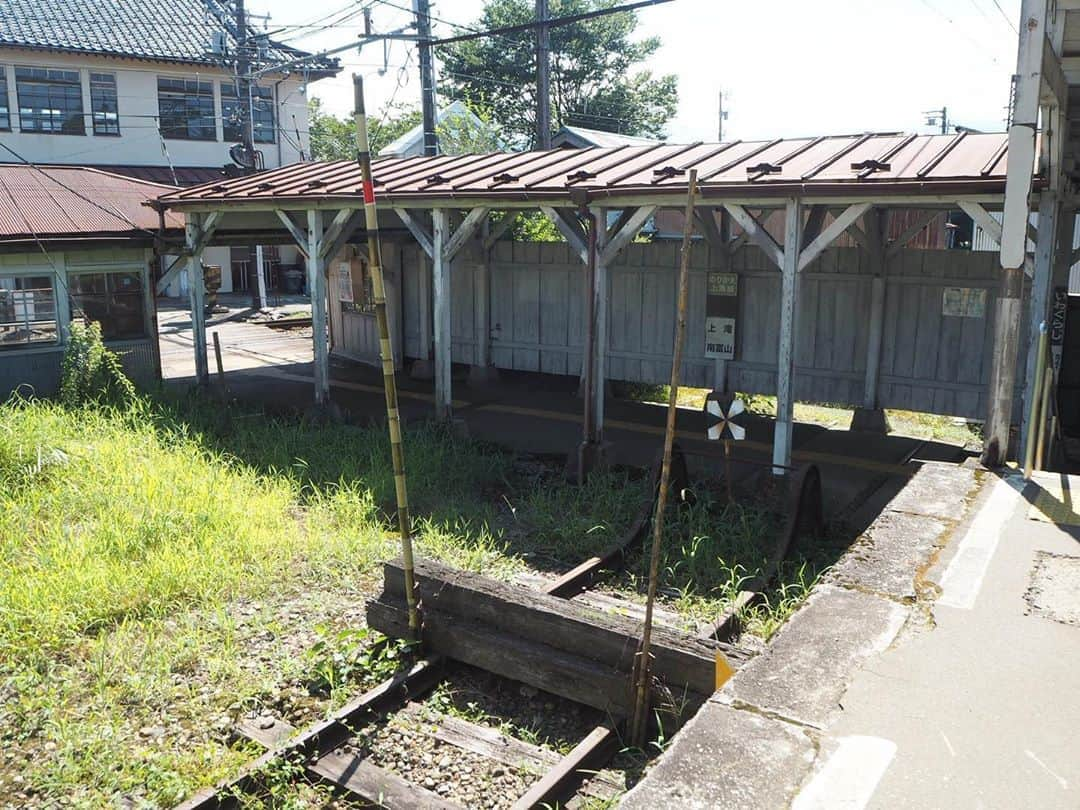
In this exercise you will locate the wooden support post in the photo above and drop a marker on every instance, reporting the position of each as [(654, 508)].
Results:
[(1050, 221), (877, 233), (217, 358), (720, 246), (441, 277), (197, 297), (317, 291), (600, 307), (422, 368), (785, 362)]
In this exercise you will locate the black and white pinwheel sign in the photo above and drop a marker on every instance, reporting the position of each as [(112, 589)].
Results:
[(723, 417)]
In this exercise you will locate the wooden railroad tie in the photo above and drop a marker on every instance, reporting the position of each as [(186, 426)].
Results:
[(558, 645)]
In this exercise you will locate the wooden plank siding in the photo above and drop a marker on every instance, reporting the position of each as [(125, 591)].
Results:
[(929, 361)]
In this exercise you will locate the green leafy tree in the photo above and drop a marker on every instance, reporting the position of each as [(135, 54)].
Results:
[(596, 75), (334, 138)]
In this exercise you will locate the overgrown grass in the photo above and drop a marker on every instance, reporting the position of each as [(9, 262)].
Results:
[(917, 425), (169, 566)]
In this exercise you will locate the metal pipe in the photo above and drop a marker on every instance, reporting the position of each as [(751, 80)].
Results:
[(641, 702), (386, 354), (1036, 416)]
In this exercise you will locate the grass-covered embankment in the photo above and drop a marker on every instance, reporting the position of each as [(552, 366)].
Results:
[(167, 566)]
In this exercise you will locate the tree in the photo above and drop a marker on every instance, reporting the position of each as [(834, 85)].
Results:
[(334, 138), (459, 133), (596, 79)]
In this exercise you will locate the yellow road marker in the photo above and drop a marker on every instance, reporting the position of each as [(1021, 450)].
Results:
[(723, 670)]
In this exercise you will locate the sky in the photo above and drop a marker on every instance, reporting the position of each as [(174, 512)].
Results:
[(786, 67)]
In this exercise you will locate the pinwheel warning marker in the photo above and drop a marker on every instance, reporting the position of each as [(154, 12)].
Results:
[(723, 422)]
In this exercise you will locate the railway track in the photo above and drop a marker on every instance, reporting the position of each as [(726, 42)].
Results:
[(560, 638)]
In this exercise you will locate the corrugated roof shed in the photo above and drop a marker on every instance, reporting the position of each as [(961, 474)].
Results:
[(77, 203), (878, 164), (163, 30)]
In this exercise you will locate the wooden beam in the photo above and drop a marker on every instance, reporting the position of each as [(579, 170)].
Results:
[(197, 298), (558, 624), (993, 228), (857, 233), (440, 272), (420, 233), (757, 234), (571, 230), (500, 229), (815, 220), (377, 786), (848, 216), (909, 233), (1055, 87), (625, 234), (878, 226), (193, 247), (298, 234), (620, 222), (327, 734), (561, 782), (317, 292), (706, 221), (465, 232), (341, 228)]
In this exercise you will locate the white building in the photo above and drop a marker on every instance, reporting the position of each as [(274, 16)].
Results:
[(146, 88)]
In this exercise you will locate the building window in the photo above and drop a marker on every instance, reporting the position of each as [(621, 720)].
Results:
[(50, 101), (114, 300), (186, 109), (103, 105), (27, 312), (262, 113), (5, 111)]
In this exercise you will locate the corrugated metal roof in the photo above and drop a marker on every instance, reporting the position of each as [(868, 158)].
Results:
[(74, 201), (884, 163), (163, 175), (166, 30)]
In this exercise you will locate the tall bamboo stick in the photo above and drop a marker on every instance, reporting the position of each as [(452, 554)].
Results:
[(640, 721), (386, 354)]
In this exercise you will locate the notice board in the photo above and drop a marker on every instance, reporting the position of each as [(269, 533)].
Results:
[(721, 313)]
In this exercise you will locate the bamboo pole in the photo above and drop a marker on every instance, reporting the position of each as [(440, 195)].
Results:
[(1044, 417), (1036, 398), (386, 354), (640, 720)]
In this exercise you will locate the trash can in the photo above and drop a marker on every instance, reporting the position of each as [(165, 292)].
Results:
[(292, 280)]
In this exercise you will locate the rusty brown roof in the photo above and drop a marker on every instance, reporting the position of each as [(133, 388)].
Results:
[(76, 202), (837, 164)]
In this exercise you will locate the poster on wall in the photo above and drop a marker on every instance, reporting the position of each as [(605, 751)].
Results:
[(963, 302), (721, 311), (344, 275)]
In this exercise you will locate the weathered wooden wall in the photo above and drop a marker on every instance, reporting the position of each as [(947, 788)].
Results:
[(930, 361)]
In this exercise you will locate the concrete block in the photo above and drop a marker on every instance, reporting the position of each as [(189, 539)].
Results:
[(726, 758), (869, 420), (936, 490), (805, 670), (887, 558)]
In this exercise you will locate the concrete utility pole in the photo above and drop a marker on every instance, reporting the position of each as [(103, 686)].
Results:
[(247, 137), (1017, 208), (422, 8), (543, 77)]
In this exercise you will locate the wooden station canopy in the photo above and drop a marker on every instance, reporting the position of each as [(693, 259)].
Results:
[(825, 185)]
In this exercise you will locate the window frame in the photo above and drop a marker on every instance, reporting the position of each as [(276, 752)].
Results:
[(45, 83), (75, 305), (230, 95), (95, 84), (5, 99), (168, 131), (28, 345)]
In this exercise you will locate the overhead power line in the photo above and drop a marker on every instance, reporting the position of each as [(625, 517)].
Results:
[(553, 22)]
